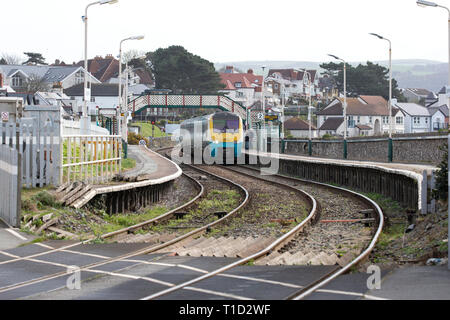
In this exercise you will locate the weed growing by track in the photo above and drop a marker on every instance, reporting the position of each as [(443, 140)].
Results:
[(203, 213)]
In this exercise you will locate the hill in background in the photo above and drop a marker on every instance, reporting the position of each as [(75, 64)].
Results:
[(412, 73)]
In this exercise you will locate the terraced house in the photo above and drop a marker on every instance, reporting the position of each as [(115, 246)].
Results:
[(366, 116)]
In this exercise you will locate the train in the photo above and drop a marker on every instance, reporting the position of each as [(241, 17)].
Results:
[(220, 132)]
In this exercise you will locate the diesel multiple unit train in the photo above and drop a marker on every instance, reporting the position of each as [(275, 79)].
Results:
[(221, 133)]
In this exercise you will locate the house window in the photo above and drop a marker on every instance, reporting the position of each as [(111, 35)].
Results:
[(399, 120), (238, 84), (17, 81), (416, 120), (359, 119), (426, 120), (79, 77), (385, 120), (370, 119), (351, 122), (276, 85), (239, 94)]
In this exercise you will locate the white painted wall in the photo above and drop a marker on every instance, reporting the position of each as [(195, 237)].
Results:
[(71, 127)]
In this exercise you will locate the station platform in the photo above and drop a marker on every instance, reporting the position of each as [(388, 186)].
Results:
[(151, 169), (415, 168)]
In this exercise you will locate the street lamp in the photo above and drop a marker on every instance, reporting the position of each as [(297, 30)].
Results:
[(345, 103), (264, 111), (390, 94), (85, 123), (432, 4), (309, 113), (122, 127)]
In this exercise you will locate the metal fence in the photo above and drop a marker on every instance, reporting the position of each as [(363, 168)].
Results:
[(10, 187), (91, 159)]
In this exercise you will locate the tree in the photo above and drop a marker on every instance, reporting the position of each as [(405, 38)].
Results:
[(177, 69), (369, 79), (34, 58), (36, 83), (441, 191), (10, 59)]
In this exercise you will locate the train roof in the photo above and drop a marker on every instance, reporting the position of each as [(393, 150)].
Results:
[(206, 117)]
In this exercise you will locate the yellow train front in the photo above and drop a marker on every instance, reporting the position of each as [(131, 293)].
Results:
[(221, 133)]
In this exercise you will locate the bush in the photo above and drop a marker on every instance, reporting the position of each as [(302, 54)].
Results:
[(133, 138), (441, 191)]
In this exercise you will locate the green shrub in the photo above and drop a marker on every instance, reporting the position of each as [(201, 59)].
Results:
[(441, 191), (133, 138)]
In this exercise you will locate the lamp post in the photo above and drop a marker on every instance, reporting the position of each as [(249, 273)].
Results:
[(423, 3), (122, 118), (309, 113), (390, 94), (85, 123), (345, 103), (264, 112)]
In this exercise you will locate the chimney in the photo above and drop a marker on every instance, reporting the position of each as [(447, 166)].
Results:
[(250, 71), (443, 100), (1, 80)]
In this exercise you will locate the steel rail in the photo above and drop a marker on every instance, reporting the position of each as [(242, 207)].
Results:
[(121, 231), (280, 241), (304, 292), (142, 251)]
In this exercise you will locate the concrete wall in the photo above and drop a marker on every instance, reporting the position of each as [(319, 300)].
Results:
[(408, 150)]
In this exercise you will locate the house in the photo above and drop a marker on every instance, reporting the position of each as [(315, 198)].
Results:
[(298, 81), (299, 128), (442, 103), (332, 126), (366, 115), (439, 117), (417, 117), (17, 76), (106, 69), (415, 94), (103, 96), (244, 88)]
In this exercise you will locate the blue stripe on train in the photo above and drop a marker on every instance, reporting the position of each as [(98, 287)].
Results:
[(226, 145)]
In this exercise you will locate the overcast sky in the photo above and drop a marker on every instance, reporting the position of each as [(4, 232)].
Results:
[(230, 30)]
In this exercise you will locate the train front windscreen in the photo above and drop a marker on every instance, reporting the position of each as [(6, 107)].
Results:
[(225, 123)]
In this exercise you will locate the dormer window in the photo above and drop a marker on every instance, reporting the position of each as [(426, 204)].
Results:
[(238, 84), (17, 81)]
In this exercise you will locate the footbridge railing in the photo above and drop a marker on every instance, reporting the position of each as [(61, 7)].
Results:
[(186, 101)]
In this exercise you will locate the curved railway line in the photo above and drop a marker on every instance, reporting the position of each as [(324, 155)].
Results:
[(293, 183), (240, 179)]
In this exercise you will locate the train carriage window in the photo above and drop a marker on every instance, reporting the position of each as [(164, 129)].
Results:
[(225, 122)]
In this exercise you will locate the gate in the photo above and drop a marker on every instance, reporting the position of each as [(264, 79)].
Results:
[(37, 139), (10, 186)]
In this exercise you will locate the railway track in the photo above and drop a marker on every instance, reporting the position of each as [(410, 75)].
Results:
[(283, 245), (123, 232), (326, 193)]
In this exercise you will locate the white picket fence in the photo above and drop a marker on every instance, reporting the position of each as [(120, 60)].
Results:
[(91, 159)]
